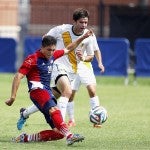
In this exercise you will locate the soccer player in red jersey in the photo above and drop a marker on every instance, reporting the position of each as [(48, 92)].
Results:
[(37, 68)]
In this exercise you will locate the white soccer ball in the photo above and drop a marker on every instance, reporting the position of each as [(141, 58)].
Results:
[(98, 115)]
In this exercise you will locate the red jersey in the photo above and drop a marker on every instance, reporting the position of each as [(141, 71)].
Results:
[(38, 68)]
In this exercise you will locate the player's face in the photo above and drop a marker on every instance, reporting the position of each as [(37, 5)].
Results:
[(48, 51), (80, 25)]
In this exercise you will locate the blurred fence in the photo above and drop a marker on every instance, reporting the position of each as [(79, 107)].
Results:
[(20, 18), (142, 51), (115, 54), (8, 55)]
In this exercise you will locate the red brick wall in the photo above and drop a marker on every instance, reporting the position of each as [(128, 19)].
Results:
[(9, 12), (120, 2), (47, 13), (60, 11)]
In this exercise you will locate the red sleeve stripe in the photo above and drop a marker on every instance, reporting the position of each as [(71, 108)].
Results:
[(58, 53)]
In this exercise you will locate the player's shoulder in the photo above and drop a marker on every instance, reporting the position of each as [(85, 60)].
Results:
[(67, 25), (64, 26), (33, 57)]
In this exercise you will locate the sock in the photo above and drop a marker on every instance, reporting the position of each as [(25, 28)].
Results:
[(70, 110), (94, 101), (50, 135), (30, 110), (59, 123), (45, 135), (62, 104), (32, 137)]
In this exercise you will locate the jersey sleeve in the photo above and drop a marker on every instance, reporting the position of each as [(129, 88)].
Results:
[(95, 44), (27, 65), (89, 47), (58, 53)]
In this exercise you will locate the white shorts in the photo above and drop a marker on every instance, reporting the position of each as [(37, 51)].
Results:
[(59, 70), (85, 76)]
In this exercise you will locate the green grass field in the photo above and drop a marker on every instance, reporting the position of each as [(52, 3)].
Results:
[(127, 127)]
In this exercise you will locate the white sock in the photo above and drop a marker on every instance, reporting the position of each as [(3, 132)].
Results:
[(30, 110), (70, 110), (94, 101), (62, 104)]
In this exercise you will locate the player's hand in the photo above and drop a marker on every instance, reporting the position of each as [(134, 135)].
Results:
[(80, 55), (10, 101), (88, 33), (102, 68)]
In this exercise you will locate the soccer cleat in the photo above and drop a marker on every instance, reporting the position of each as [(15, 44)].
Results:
[(75, 138), (21, 138), (71, 124), (21, 120), (97, 125)]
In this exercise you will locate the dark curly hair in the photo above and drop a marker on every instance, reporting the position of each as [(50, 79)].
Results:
[(80, 13)]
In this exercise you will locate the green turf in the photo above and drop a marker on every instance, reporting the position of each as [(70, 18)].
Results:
[(127, 127)]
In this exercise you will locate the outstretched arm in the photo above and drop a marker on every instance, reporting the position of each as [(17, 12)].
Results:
[(15, 85), (74, 44)]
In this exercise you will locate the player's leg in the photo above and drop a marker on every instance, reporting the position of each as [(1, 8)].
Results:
[(60, 80), (70, 110), (45, 135), (43, 100), (24, 114), (75, 84), (87, 78), (94, 99), (63, 128), (91, 88), (63, 85), (47, 105)]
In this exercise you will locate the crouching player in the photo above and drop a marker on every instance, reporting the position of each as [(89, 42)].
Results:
[(37, 68)]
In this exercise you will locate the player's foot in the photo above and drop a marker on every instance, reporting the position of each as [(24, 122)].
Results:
[(22, 119), (75, 138), (71, 123), (97, 125), (21, 138)]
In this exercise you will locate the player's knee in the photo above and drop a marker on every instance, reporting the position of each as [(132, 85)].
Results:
[(67, 93)]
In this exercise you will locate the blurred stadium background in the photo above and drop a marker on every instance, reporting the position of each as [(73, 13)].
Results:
[(123, 34), (121, 27)]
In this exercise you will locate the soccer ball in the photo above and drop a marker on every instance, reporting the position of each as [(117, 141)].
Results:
[(98, 115)]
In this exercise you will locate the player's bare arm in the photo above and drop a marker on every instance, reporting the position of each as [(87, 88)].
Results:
[(15, 85), (81, 57), (99, 60), (74, 44)]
